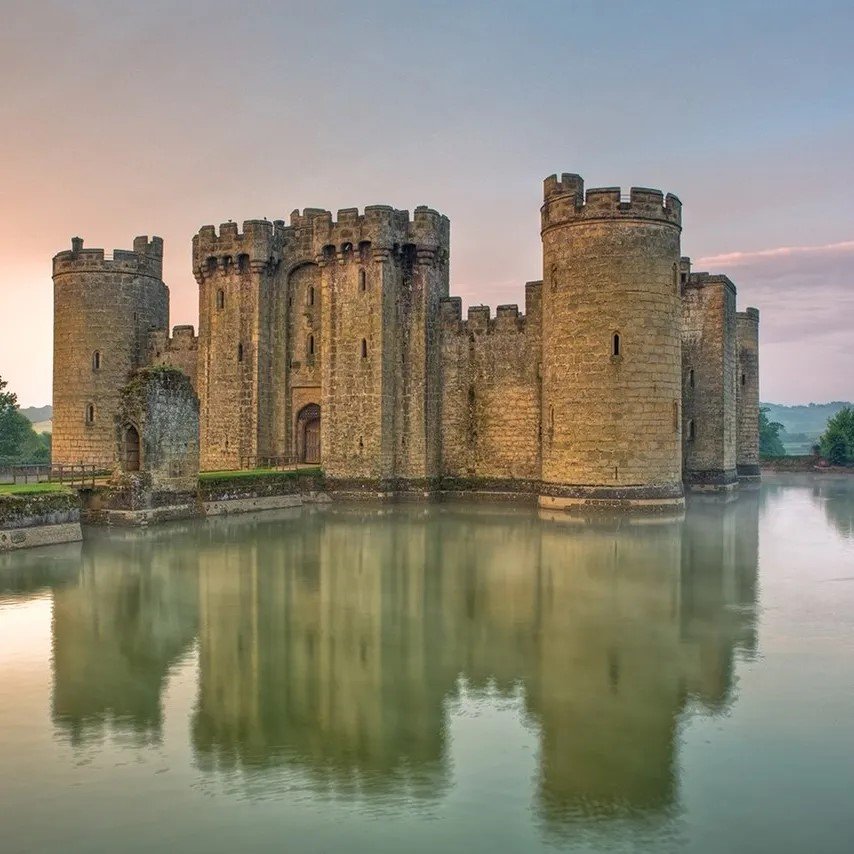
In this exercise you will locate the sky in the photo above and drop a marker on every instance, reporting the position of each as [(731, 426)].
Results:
[(121, 119)]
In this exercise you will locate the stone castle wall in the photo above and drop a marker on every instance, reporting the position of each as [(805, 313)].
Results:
[(104, 310), (181, 351), (586, 397), (708, 379), (491, 392)]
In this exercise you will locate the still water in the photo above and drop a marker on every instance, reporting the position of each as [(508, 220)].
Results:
[(445, 677)]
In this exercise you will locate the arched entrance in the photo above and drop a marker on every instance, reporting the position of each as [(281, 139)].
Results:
[(308, 434), (130, 448)]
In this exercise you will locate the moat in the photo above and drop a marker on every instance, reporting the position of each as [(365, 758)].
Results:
[(423, 677)]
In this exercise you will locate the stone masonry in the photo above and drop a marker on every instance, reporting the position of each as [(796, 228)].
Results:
[(333, 340)]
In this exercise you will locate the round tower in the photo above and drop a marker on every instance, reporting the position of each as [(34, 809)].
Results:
[(611, 348), (103, 311)]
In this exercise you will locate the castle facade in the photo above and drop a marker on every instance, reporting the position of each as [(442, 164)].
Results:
[(334, 340)]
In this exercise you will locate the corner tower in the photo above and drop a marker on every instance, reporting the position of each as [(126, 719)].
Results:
[(104, 310), (611, 349), (747, 395)]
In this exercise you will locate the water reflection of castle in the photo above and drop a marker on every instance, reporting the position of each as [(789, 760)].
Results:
[(331, 643)]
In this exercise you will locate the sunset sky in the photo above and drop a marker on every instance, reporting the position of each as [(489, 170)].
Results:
[(158, 117)]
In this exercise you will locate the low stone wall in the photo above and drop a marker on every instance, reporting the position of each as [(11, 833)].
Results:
[(39, 519), (229, 486), (800, 462), (217, 495), (269, 491)]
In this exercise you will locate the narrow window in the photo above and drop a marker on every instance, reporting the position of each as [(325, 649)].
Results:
[(363, 280), (364, 349), (743, 379), (311, 296), (220, 299), (240, 352), (310, 345), (615, 344), (90, 413), (676, 277), (676, 415), (691, 430), (691, 378), (96, 360)]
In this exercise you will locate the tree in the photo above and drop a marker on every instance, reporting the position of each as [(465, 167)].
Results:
[(837, 441), (19, 443), (770, 444)]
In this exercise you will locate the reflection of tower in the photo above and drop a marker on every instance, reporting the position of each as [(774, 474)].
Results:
[(611, 349), (610, 681), (307, 654), (117, 632)]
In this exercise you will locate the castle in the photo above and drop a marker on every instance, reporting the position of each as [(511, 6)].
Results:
[(335, 341)]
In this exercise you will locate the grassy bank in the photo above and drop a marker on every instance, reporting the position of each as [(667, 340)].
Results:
[(31, 488)]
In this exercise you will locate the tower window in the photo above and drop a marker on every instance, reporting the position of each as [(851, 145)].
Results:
[(691, 378), (311, 296), (364, 349), (310, 345), (240, 352), (743, 379), (96, 360), (616, 345), (90, 413), (692, 430), (220, 299), (676, 415), (363, 280)]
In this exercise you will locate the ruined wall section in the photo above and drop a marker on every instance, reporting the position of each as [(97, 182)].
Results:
[(181, 351), (104, 311), (491, 394), (611, 357), (377, 329), (236, 272), (161, 409), (747, 390), (708, 380)]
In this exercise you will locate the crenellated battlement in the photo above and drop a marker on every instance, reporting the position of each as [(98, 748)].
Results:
[(749, 314), (258, 245), (145, 259), (383, 228), (703, 280), (479, 319), (565, 201)]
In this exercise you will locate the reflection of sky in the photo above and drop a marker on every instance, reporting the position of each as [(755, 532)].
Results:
[(165, 116)]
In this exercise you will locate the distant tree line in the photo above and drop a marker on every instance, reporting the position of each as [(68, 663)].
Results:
[(19, 442)]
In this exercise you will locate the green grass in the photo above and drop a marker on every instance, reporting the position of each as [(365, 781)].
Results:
[(244, 473), (31, 488)]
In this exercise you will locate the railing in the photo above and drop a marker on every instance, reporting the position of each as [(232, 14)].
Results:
[(80, 474), (283, 463)]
